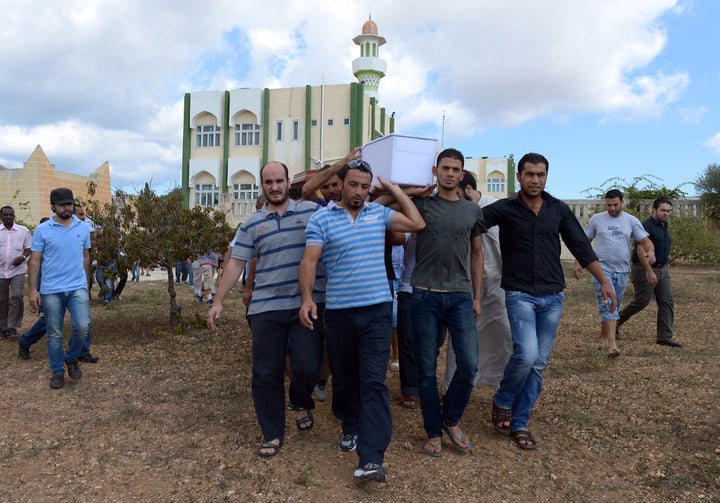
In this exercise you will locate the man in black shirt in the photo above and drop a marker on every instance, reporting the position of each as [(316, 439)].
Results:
[(657, 281), (531, 225)]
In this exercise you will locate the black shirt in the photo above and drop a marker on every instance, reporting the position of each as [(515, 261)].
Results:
[(530, 244), (660, 237)]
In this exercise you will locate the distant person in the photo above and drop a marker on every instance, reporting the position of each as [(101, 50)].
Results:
[(531, 225), (349, 238), (613, 232), (656, 281), (327, 181), (14, 250), (39, 328), (61, 253), (275, 235)]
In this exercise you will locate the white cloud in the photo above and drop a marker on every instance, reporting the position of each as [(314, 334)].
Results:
[(713, 144), (692, 115), (105, 80)]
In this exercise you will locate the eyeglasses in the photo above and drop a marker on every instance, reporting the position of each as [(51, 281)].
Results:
[(359, 164)]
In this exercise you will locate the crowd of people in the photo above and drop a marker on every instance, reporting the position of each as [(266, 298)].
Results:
[(324, 295), (485, 274)]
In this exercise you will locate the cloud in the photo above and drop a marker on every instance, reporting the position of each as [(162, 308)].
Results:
[(713, 144), (105, 80), (692, 115)]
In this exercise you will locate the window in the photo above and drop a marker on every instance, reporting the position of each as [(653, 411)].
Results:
[(346, 121), (296, 130), (207, 136), (313, 123), (279, 130), (247, 135), (496, 184), (207, 195), (330, 122), (245, 191)]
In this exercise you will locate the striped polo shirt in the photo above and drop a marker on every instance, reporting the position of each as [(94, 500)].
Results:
[(353, 254), (279, 244)]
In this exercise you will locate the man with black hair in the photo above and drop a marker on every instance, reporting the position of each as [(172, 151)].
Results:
[(61, 246), (613, 232), (656, 280), (349, 238), (493, 328), (14, 250), (531, 225)]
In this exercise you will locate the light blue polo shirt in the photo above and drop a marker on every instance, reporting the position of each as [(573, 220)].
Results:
[(353, 254), (63, 266)]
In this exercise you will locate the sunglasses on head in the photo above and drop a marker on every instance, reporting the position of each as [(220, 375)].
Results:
[(359, 164)]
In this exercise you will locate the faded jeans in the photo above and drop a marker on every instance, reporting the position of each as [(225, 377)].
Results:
[(534, 322), (78, 305)]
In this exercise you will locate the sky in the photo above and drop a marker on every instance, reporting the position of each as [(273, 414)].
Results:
[(602, 88)]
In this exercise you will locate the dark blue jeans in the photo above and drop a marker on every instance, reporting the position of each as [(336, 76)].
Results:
[(270, 334), (431, 312), (358, 342), (406, 351)]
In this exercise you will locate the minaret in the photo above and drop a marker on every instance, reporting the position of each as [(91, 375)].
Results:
[(369, 68)]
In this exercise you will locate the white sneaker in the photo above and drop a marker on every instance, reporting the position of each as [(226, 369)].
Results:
[(321, 392), (371, 472)]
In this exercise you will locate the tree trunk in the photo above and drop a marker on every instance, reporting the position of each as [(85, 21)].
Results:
[(174, 309)]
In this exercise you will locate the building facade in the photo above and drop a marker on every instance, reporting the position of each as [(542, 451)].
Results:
[(229, 135), (495, 175), (33, 182)]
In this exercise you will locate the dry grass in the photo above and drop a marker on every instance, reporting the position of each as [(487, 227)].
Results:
[(169, 417)]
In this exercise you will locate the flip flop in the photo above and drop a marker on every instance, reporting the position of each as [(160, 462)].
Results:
[(614, 353), (409, 402), (458, 440), (433, 449), (524, 436), (274, 449), (306, 422)]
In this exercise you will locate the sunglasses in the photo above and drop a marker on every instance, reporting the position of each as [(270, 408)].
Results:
[(359, 164)]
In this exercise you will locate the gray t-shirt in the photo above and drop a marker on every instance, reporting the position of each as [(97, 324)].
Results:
[(613, 237), (443, 247)]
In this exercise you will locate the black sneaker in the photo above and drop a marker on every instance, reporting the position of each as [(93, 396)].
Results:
[(210, 302), (74, 370), (12, 333), (24, 351), (57, 381), (348, 442), (88, 358), (371, 472)]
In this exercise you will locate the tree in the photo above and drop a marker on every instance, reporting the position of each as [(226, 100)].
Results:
[(157, 230), (643, 187), (708, 184)]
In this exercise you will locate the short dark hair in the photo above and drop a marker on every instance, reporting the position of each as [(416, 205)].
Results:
[(614, 193), (451, 153), (7, 208), (661, 200), (287, 173), (532, 158), (468, 179)]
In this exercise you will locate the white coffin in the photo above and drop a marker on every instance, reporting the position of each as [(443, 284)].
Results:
[(404, 160)]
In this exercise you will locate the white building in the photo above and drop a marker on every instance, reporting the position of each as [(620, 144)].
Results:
[(229, 135)]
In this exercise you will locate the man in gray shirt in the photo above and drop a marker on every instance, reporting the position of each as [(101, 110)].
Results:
[(613, 232)]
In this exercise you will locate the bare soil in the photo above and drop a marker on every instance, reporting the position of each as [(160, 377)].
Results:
[(168, 416)]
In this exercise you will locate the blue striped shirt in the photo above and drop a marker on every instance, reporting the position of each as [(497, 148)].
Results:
[(279, 244), (353, 254)]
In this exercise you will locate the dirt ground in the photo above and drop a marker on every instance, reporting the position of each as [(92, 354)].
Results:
[(168, 416)]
